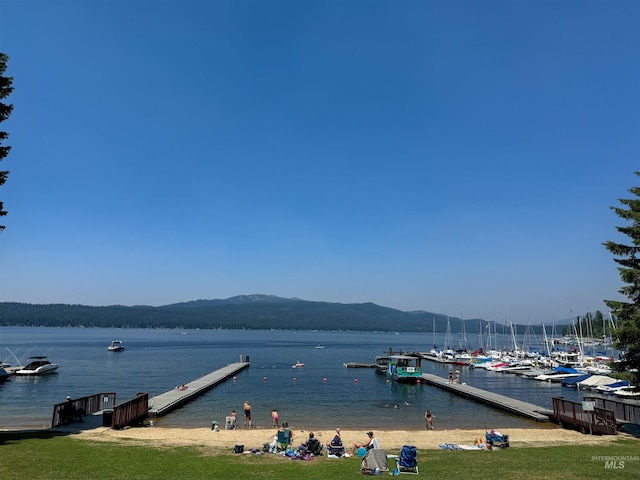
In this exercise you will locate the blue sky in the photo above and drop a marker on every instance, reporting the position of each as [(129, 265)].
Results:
[(457, 157)]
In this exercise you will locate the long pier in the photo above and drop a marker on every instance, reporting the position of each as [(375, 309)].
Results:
[(496, 400), (175, 398)]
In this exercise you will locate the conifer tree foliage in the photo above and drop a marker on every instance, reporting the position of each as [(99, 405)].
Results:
[(6, 87), (627, 256)]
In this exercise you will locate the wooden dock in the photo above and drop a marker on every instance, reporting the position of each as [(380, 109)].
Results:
[(495, 400), (175, 398)]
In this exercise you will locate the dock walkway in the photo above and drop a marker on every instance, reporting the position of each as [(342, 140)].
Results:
[(168, 401), (496, 400)]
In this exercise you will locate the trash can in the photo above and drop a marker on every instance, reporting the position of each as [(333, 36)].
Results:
[(107, 418)]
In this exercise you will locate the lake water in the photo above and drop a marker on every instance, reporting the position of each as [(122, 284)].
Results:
[(158, 360)]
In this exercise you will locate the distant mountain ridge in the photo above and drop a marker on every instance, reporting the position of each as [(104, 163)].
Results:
[(255, 312)]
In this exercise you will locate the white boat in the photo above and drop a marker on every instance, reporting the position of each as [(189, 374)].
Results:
[(116, 346), (627, 392), (558, 374), (613, 387), (595, 381), (297, 365), (319, 346), (38, 366)]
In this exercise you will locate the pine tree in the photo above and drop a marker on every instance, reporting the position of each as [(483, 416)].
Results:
[(5, 111), (627, 256)]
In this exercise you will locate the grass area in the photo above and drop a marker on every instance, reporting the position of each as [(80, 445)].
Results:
[(45, 455)]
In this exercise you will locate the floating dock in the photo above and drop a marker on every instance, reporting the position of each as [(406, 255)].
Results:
[(358, 365), (495, 400), (175, 398)]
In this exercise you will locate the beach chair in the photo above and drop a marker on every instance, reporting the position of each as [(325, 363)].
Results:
[(496, 439), (336, 447), (230, 423), (284, 439), (407, 462), (375, 461)]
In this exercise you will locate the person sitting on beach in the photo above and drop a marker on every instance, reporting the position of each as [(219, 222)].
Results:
[(370, 443), (335, 447), (479, 442), (312, 445)]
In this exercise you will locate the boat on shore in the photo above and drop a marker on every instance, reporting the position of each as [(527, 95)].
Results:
[(404, 368), (116, 346), (38, 366)]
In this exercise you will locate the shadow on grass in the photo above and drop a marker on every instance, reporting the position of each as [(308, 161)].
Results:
[(89, 422)]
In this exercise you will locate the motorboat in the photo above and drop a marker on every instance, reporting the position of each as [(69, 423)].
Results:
[(558, 374), (297, 365), (612, 387), (38, 366), (627, 392), (382, 363), (116, 346), (319, 346), (4, 375)]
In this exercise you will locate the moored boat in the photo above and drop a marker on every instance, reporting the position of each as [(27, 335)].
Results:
[(627, 392), (612, 387), (38, 366), (404, 368)]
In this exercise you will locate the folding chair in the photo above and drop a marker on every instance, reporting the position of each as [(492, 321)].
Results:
[(408, 460), (230, 423)]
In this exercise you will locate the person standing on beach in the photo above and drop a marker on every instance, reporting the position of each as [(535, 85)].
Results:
[(274, 415), (247, 414), (428, 417)]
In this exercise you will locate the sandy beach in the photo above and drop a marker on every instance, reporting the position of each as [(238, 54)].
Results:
[(388, 439)]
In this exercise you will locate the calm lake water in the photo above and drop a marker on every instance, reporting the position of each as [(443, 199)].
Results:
[(158, 360)]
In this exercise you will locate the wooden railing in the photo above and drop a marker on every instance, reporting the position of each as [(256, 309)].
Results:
[(572, 414), (625, 412), (130, 412), (81, 406)]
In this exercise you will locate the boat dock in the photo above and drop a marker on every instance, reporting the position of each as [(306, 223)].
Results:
[(166, 402), (495, 400), (358, 365)]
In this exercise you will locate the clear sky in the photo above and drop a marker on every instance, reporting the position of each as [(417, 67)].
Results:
[(458, 157)]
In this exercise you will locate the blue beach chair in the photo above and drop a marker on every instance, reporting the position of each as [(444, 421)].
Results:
[(408, 460)]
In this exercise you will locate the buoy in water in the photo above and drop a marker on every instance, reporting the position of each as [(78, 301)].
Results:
[(324, 380), (234, 379), (264, 379), (355, 381), (295, 379)]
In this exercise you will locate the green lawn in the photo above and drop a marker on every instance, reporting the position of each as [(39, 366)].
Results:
[(46, 455)]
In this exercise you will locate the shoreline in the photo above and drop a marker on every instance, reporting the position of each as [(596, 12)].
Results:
[(388, 439)]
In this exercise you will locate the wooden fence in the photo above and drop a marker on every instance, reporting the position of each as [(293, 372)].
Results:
[(622, 411), (571, 414), (131, 412), (83, 405)]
